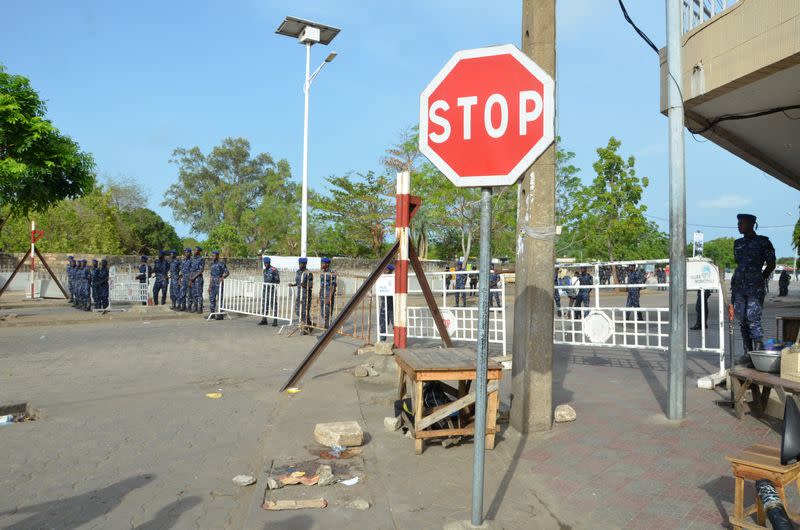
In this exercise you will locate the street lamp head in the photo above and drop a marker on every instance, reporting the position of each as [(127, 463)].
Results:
[(331, 56), (306, 31)]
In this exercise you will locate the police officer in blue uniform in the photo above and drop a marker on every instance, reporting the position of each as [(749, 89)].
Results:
[(174, 280), (461, 283), (219, 271), (634, 278), (70, 275), (76, 284), (304, 281), (584, 278), (386, 308), (196, 279), (556, 293), (161, 270), (186, 273), (327, 291), (95, 287), (144, 274), (270, 292), (87, 285), (101, 277), (494, 286), (748, 285)]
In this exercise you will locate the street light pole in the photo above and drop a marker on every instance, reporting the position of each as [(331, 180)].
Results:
[(304, 203), (307, 33)]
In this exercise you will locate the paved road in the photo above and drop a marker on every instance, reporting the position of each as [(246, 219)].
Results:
[(127, 438)]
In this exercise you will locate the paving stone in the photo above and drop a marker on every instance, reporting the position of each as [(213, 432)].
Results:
[(342, 433)]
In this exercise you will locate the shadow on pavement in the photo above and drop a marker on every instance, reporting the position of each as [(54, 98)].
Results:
[(296, 522), (168, 516), (497, 501), (76, 511)]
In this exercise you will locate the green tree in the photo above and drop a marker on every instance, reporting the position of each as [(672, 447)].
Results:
[(720, 251), (87, 224), (569, 189), (358, 210), (147, 232), (611, 222), (39, 165), (228, 240), (250, 193)]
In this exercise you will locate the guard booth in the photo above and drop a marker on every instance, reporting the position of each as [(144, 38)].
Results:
[(608, 323)]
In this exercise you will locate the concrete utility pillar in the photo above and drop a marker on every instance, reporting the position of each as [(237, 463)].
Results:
[(532, 373)]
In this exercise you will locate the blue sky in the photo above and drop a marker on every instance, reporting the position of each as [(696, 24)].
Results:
[(133, 81)]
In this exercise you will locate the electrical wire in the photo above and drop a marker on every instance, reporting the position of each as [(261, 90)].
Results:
[(714, 226), (712, 123)]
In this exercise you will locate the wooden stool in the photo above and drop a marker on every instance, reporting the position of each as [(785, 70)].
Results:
[(755, 463)]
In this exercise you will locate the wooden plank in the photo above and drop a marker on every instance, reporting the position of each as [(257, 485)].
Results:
[(14, 272), (294, 505), (441, 359), (46, 266), (450, 375), (340, 319), (469, 430), (765, 378), (428, 294), (452, 407)]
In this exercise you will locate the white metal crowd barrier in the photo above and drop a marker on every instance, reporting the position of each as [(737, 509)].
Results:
[(461, 322), (607, 324), (255, 299)]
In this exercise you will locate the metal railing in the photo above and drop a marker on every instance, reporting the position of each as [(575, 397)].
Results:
[(267, 300), (696, 12), (458, 307)]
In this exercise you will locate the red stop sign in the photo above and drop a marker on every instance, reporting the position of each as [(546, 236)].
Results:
[(486, 116)]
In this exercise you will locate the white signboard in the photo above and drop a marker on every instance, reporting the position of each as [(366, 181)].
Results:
[(701, 273), (450, 321), (385, 285), (697, 244)]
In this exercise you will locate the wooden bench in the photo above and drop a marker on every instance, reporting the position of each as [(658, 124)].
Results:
[(446, 364), (755, 463), (760, 384)]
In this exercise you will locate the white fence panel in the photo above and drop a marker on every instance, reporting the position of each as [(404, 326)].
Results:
[(268, 300)]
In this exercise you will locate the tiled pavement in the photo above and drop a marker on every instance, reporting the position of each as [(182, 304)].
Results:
[(622, 464)]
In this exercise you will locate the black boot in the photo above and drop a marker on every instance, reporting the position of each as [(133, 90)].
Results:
[(263, 321), (758, 345), (274, 322), (220, 316), (745, 361)]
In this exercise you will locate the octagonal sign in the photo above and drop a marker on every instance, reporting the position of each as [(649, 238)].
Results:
[(487, 116)]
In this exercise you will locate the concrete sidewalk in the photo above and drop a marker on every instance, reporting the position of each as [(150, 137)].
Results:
[(620, 465)]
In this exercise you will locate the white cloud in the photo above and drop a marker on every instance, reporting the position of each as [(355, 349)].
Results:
[(724, 202)]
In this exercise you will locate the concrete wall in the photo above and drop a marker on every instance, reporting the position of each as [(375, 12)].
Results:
[(752, 39)]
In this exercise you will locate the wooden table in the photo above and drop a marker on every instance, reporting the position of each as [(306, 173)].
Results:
[(760, 384), (446, 364), (755, 463)]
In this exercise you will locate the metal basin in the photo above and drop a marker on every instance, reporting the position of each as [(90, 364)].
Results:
[(767, 361)]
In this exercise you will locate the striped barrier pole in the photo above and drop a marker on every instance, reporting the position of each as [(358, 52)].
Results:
[(401, 267)]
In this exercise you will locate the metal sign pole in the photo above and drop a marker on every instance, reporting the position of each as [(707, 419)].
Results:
[(483, 356)]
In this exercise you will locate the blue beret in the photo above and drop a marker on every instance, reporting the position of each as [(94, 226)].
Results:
[(94, 261), (746, 217), (173, 252), (267, 260), (187, 249), (302, 260), (162, 252), (70, 257), (390, 267), (198, 248), (215, 252), (144, 258), (326, 260), (103, 260)]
